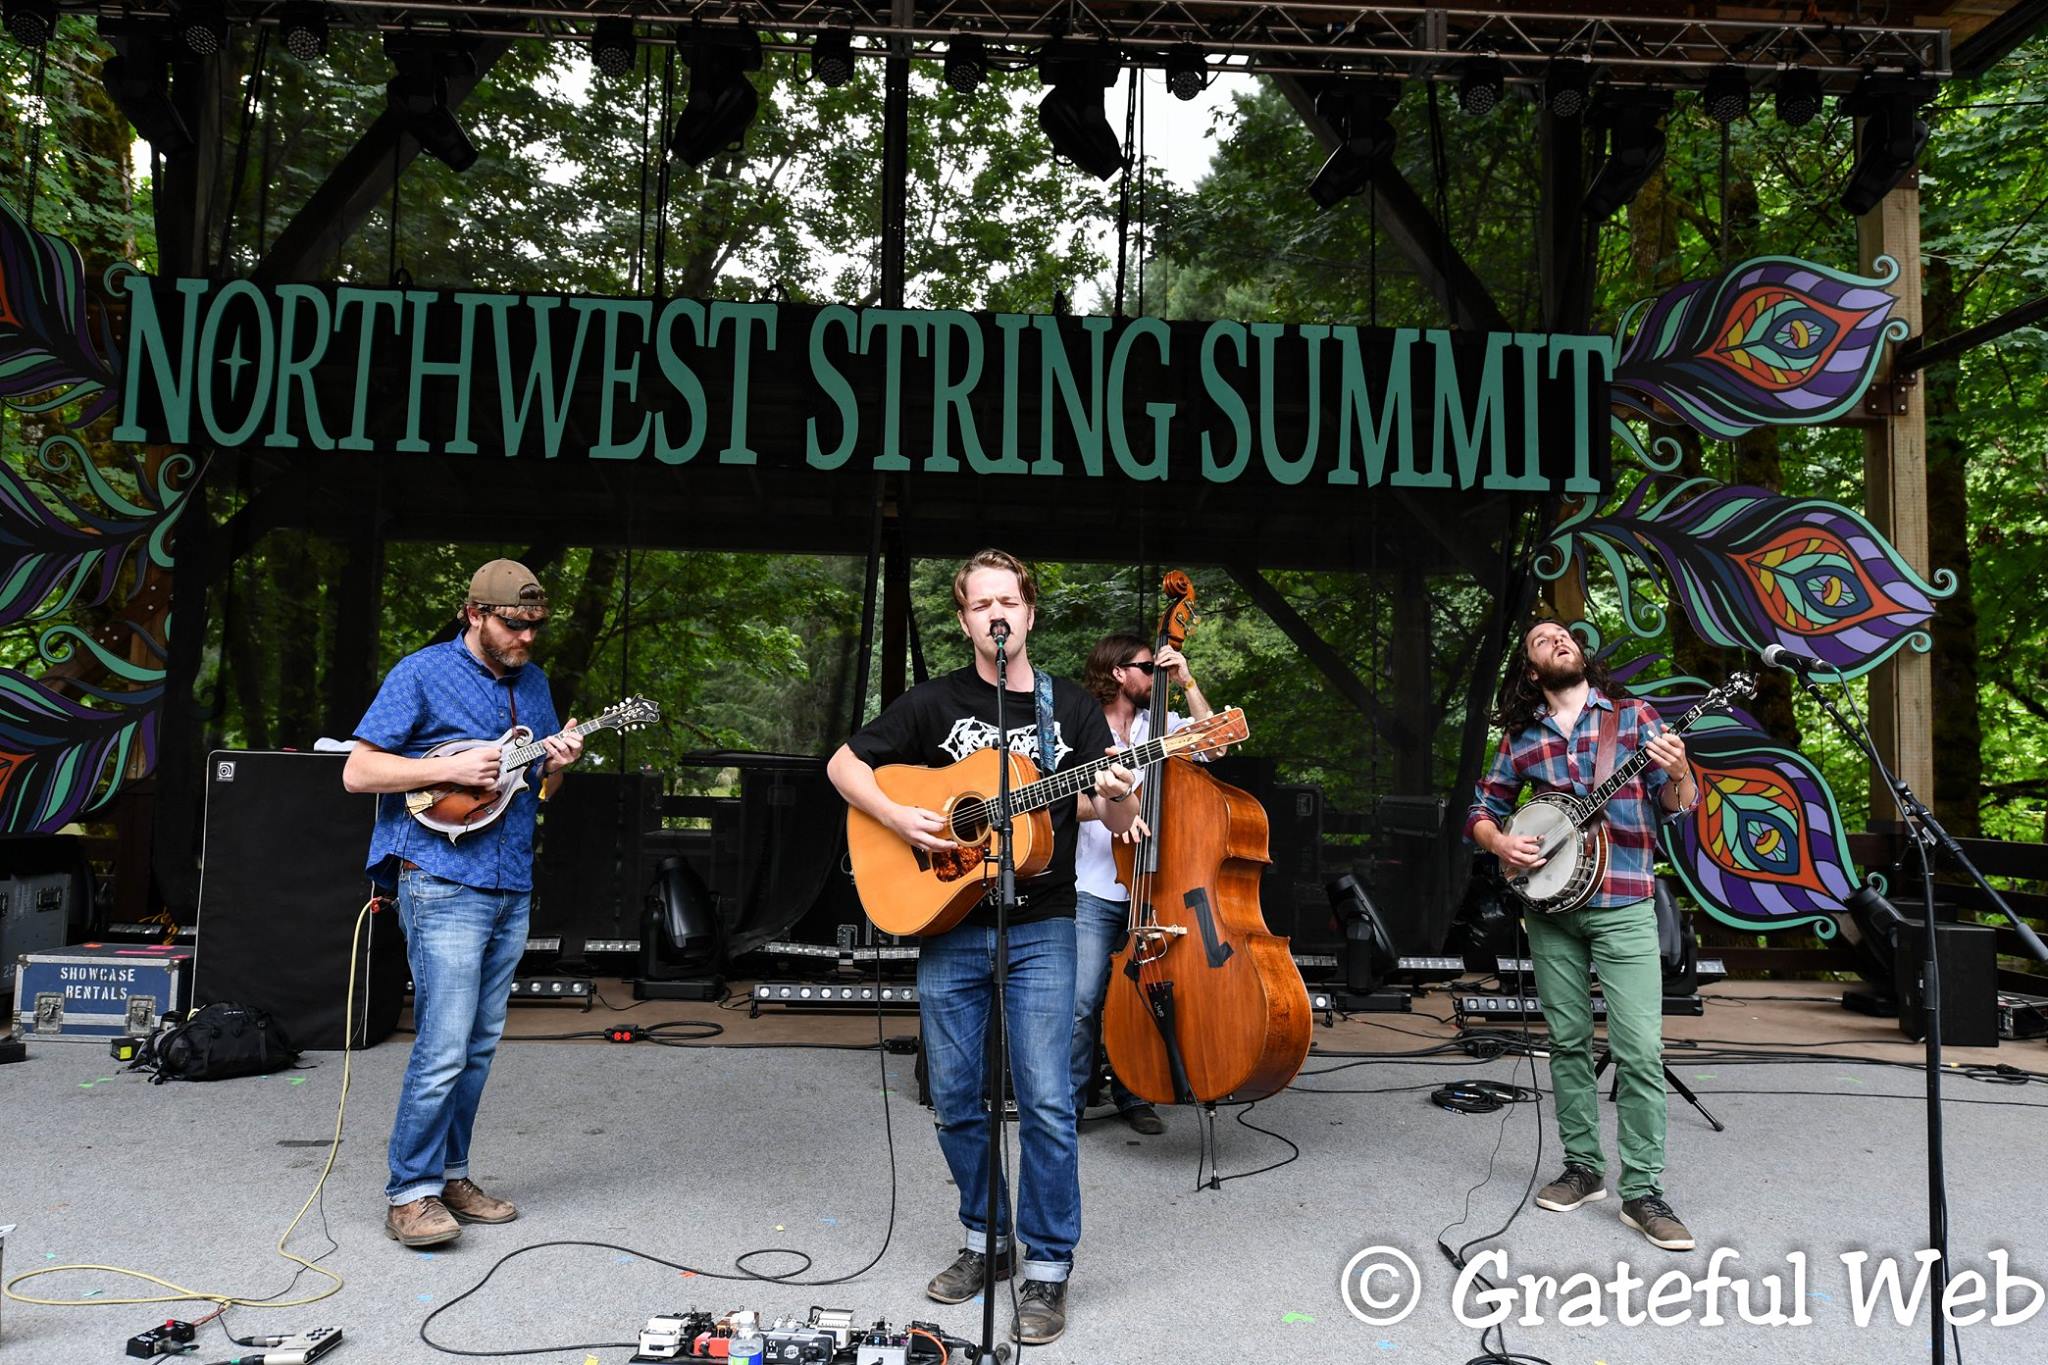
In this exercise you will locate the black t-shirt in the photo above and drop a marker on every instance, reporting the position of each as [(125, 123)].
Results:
[(944, 720)]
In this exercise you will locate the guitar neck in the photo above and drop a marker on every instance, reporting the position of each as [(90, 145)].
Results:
[(1629, 771), (1071, 782), (522, 754)]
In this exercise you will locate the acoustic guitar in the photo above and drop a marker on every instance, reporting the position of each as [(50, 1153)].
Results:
[(910, 890), (455, 811)]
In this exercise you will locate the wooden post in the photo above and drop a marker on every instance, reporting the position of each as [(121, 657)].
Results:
[(1895, 498)]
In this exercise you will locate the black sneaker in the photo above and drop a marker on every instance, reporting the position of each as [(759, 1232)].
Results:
[(1041, 1312), (1144, 1119), (961, 1280), (1652, 1217), (1578, 1185)]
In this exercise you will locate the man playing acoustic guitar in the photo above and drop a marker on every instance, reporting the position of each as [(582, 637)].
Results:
[(941, 722), (1555, 708), (462, 902)]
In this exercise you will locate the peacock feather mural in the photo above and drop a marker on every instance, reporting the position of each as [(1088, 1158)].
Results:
[(86, 531), (1772, 341)]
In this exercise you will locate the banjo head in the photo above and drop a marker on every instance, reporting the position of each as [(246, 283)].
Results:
[(1551, 818)]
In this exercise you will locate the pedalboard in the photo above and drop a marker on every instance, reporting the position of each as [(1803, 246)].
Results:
[(300, 1348), (827, 1337)]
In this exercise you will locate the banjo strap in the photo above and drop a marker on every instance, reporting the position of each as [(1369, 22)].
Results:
[(1610, 728)]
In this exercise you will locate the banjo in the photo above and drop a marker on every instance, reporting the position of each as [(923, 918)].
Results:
[(1573, 837), (456, 811)]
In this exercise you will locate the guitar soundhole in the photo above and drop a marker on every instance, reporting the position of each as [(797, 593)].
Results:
[(969, 818)]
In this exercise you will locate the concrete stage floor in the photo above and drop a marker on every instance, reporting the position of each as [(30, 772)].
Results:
[(695, 1154)]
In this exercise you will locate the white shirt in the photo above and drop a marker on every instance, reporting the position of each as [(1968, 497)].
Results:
[(1094, 862)]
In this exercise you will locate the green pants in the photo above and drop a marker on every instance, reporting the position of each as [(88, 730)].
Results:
[(1621, 941)]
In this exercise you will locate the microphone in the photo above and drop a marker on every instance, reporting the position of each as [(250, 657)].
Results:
[(999, 630), (1777, 656)]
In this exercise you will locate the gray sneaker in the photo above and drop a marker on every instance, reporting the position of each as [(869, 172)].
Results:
[(1578, 1185), (1652, 1217), (1041, 1312), (961, 1281)]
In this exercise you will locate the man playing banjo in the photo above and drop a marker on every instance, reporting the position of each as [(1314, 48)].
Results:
[(1564, 729)]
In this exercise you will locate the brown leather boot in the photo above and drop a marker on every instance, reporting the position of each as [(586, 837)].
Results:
[(425, 1222), (472, 1205)]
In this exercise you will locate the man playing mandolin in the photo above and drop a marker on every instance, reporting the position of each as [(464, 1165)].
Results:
[(1564, 729), (939, 722), (462, 902)]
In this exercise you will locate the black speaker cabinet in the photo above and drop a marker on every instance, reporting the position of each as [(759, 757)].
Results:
[(1968, 957), (588, 879), (280, 885)]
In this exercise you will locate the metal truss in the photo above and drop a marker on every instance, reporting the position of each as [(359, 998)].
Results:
[(1393, 41)]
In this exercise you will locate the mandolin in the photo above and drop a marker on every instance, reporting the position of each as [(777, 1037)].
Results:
[(456, 811)]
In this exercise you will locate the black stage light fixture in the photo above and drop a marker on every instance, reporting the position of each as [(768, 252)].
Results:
[(1635, 148), (682, 938), (612, 47), (203, 26), (1797, 99), (966, 63), (1369, 954), (1358, 114), (1727, 94), (1892, 137), (1480, 85), (1567, 86), (722, 101), (304, 29), (419, 94), (32, 23), (832, 57), (1187, 71), (140, 89), (1072, 112)]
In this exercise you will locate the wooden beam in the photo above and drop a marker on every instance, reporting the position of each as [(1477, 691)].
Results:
[(1327, 661), (1895, 498)]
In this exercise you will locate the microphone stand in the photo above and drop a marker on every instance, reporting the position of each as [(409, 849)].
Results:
[(1927, 834), (996, 1061)]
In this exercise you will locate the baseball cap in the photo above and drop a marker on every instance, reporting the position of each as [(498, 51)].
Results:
[(506, 583)]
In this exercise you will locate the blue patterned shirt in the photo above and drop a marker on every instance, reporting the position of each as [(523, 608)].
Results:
[(1544, 758), (434, 695)]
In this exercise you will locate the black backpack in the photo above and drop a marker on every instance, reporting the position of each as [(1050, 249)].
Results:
[(215, 1043)]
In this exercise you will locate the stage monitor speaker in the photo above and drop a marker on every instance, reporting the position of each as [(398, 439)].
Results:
[(1968, 957), (588, 879), (280, 885)]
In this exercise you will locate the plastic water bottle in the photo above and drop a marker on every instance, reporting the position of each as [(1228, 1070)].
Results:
[(745, 1351)]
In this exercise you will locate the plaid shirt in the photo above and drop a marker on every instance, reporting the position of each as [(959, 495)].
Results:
[(1545, 758)]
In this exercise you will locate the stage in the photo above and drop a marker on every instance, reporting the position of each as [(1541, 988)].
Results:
[(698, 1154)]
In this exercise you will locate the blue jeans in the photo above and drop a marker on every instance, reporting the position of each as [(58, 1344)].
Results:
[(464, 944), (956, 985), (1099, 927)]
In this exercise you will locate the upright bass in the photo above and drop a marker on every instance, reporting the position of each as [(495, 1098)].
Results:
[(1204, 1001)]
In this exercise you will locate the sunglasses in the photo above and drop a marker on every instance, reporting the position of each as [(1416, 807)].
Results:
[(1144, 666), (520, 627)]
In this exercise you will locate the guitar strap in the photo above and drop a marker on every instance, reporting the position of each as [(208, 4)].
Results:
[(1610, 734), (1041, 683)]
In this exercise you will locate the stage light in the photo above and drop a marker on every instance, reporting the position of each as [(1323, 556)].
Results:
[(722, 102), (1797, 100), (1566, 85), (304, 28), (832, 57), (1726, 97), (1072, 113), (612, 47), (1892, 137), (1369, 955), (203, 25), (1187, 71), (1480, 86), (1635, 148), (1358, 114), (966, 63), (32, 23), (137, 85)]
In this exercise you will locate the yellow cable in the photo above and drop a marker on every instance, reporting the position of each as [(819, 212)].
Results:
[(182, 1294)]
